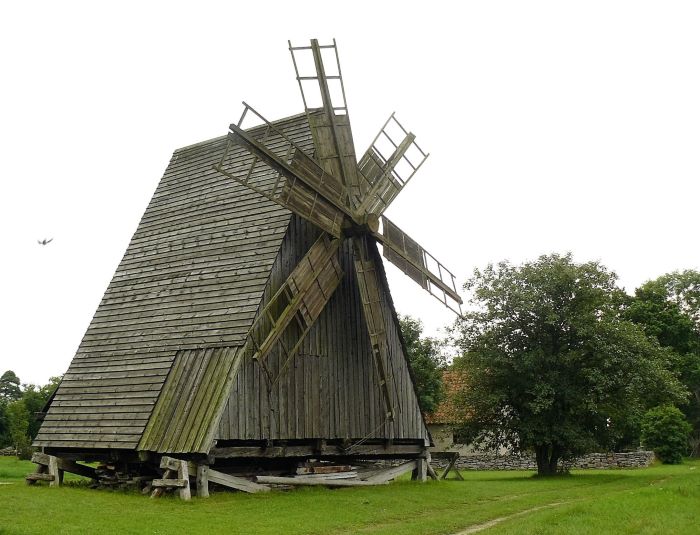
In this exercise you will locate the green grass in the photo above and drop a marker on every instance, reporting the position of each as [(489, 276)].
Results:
[(660, 499)]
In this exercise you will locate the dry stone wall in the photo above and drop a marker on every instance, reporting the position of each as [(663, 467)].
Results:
[(636, 459)]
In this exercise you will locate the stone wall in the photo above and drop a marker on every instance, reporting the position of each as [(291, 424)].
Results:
[(636, 459)]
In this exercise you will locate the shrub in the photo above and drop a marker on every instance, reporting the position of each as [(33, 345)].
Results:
[(665, 431)]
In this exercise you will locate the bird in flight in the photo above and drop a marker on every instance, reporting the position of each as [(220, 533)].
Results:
[(44, 241)]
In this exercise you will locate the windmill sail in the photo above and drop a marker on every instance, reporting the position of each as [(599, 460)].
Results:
[(299, 185), (297, 303), (406, 254), (323, 93), (384, 174), (369, 285)]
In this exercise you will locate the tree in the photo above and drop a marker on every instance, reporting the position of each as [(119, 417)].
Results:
[(18, 424), (5, 439), (34, 399), (9, 386), (665, 430), (427, 363), (553, 366), (668, 308), (18, 418)]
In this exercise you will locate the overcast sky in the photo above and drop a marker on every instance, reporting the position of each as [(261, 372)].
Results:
[(552, 127)]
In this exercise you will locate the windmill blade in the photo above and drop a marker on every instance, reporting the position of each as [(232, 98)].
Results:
[(384, 170), (296, 305), (369, 285), (299, 183), (406, 254), (323, 93)]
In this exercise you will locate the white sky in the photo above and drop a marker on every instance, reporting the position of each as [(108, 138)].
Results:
[(552, 126)]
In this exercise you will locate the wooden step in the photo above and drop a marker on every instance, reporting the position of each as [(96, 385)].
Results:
[(170, 483), (39, 477)]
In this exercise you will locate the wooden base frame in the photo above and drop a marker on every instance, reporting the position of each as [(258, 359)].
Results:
[(247, 466)]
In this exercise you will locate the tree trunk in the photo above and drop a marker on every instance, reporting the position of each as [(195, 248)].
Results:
[(547, 456)]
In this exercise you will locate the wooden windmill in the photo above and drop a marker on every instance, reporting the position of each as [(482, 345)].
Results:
[(250, 322), (343, 197)]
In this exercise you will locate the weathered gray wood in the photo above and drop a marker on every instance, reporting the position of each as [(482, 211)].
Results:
[(310, 450), (452, 459), (65, 465), (192, 278), (202, 481), (39, 477), (159, 489), (54, 471), (420, 473), (305, 481), (392, 473), (234, 482), (197, 222), (342, 395), (171, 483), (431, 473), (183, 474)]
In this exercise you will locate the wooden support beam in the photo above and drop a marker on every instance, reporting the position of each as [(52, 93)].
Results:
[(183, 474), (421, 471), (212, 476), (66, 465), (392, 473), (431, 472), (37, 476), (170, 483), (451, 457), (303, 481), (202, 481), (234, 482), (54, 471), (158, 490), (328, 450), (40, 474)]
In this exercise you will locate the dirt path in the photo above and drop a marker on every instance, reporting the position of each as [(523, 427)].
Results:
[(480, 527)]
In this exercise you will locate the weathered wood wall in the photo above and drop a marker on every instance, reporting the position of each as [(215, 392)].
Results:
[(192, 277), (330, 390)]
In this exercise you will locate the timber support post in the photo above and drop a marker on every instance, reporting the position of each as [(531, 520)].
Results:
[(420, 473), (183, 474), (50, 468), (202, 481), (181, 481)]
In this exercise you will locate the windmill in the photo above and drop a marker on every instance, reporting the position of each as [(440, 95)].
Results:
[(345, 198), (249, 324)]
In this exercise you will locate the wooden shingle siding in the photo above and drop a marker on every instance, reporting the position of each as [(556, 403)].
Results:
[(192, 277), (191, 399), (330, 390)]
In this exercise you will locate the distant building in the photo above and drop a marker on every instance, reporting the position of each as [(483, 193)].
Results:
[(449, 414)]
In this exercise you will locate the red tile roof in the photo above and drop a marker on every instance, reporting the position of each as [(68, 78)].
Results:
[(450, 411)]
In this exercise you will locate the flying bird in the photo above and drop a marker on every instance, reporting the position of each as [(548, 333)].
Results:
[(44, 241)]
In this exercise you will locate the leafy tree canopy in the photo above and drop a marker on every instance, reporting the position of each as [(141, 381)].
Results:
[(553, 366), (427, 363), (9, 386), (665, 430), (668, 308)]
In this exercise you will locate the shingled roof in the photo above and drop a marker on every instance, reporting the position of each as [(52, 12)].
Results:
[(449, 411), (192, 277)]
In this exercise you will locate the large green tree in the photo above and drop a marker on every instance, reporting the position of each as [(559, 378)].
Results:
[(9, 386), (668, 308), (553, 366), (18, 422), (427, 363)]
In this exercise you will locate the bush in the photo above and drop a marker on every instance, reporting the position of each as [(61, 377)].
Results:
[(665, 431)]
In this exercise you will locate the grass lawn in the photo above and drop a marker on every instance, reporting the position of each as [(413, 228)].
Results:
[(660, 499)]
